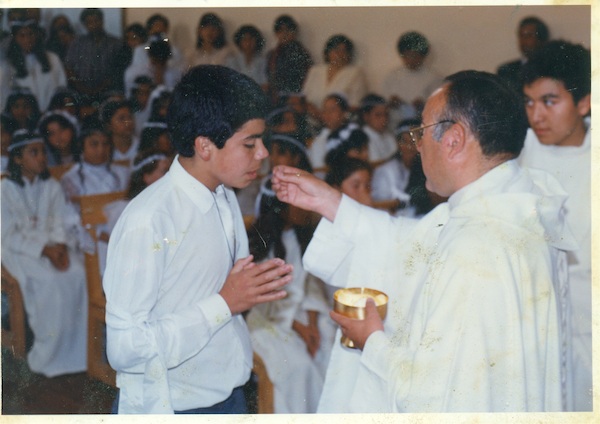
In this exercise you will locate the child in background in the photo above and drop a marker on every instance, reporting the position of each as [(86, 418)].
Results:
[(211, 46), (94, 173), (249, 59), (374, 119), (67, 100), (37, 251), (22, 109), (139, 97), (291, 335), (352, 177), (347, 141), (148, 166), (117, 117), (159, 102), (59, 129), (155, 135), (390, 180), (334, 115), (7, 128)]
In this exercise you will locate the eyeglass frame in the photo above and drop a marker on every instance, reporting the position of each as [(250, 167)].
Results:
[(412, 132)]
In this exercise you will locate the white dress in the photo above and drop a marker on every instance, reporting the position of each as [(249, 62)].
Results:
[(318, 150), (55, 301), (257, 69), (215, 57), (572, 167), (297, 377), (390, 181), (477, 296), (408, 85), (84, 179), (42, 85), (381, 146), (349, 81)]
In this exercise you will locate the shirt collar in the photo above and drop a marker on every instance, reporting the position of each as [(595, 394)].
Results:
[(198, 193)]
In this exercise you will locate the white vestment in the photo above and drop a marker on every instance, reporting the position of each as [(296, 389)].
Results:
[(84, 179), (571, 165), (42, 84), (297, 377), (350, 81), (318, 149), (476, 290), (215, 57), (381, 146), (55, 301)]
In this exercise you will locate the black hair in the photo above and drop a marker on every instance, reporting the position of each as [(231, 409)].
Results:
[(29, 98), (562, 61), (541, 29), (368, 102), (253, 32), (158, 102), (294, 149), (160, 50), (15, 55), (214, 102), (92, 11), (336, 40), (344, 168), (91, 127), (138, 30), (346, 138), (149, 137), (64, 122), (110, 107), (53, 42), (156, 18), (136, 180), (285, 21), (341, 101), (210, 19), (62, 98), (13, 169), (413, 41), (491, 110)]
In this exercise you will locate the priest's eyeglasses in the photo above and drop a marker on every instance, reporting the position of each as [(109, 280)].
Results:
[(416, 134)]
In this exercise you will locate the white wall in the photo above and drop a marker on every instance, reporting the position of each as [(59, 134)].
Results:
[(475, 37)]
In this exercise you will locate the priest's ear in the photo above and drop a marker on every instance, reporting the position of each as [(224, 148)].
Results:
[(454, 139)]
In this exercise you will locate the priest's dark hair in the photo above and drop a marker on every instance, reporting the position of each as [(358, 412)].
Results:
[(489, 108), (214, 102)]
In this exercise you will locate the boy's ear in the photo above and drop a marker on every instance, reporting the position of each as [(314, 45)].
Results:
[(203, 147)]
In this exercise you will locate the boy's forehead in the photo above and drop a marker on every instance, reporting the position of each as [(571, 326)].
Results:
[(545, 86)]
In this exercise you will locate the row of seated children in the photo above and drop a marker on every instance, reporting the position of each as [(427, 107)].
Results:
[(41, 250)]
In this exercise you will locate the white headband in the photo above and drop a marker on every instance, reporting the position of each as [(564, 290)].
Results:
[(147, 161), (25, 142), (155, 125), (343, 135)]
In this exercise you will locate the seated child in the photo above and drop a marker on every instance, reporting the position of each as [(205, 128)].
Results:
[(59, 129), (293, 335), (390, 179), (334, 115), (374, 119), (37, 251), (347, 141)]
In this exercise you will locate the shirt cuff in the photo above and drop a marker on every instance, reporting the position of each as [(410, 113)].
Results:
[(216, 311)]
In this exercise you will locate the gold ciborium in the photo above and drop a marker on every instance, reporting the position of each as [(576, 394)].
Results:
[(352, 302)]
